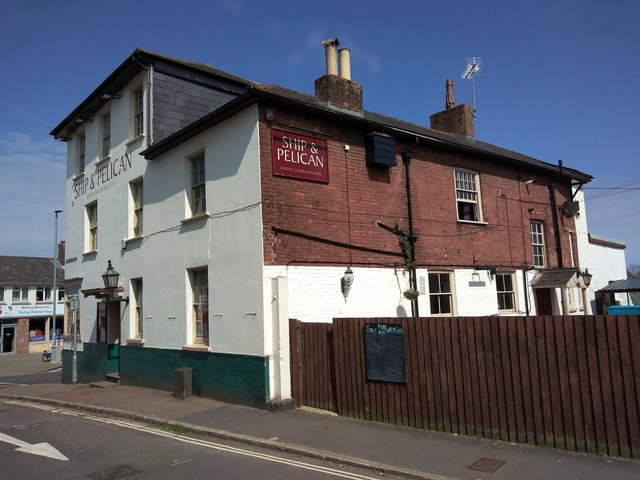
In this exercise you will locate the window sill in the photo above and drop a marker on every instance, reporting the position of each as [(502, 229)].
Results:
[(196, 347), (103, 159), (195, 218), (135, 342), (90, 253), (77, 176), (472, 222), (21, 303), (128, 241), (135, 140)]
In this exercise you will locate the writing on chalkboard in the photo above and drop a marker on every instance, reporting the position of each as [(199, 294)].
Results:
[(384, 352)]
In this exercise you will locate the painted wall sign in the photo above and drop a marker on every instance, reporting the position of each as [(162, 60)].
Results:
[(299, 156), (103, 175)]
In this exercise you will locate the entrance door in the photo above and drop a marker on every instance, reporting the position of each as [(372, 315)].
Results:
[(543, 301), (8, 339)]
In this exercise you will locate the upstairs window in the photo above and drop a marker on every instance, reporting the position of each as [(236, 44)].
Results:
[(20, 294), (198, 192), (43, 294), (1, 294), (80, 153), (468, 196), (537, 244), (138, 112), (92, 227), (106, 134), (136, 205)]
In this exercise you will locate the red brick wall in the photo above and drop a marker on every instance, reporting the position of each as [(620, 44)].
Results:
[(22, 336), (380, 195)]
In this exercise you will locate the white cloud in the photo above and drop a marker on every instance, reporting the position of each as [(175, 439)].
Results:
[(31, 188)]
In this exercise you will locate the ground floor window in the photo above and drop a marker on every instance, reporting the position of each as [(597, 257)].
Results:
[(440, 294), (506, 292), (200, 291)]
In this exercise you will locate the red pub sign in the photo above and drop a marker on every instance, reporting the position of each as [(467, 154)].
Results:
[(299, 156)]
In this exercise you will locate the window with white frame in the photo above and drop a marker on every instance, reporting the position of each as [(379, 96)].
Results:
[(136, 206), (574, 295), (92, 227), (138, 111), (105, 121), (136, 288), (468, 196), (537, 244), (20, 294), (441, 293), (198, 191), (200, 295), (60, 294), (506, 292), (80, 152), (43, 294)]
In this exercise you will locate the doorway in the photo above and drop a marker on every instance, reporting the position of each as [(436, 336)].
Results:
[(8, 339), (544, 304)]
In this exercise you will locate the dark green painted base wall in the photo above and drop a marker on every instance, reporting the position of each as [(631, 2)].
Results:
[(241, 379)]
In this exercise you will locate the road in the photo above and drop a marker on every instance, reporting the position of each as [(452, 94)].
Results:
[(82, 445)]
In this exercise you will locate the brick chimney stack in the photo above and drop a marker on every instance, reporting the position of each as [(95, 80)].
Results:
[(61, 252), (339, 91), (456, 119)]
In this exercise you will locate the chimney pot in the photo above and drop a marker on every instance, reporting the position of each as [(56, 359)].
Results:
[(345, 63), (330, 48), (450, 98)]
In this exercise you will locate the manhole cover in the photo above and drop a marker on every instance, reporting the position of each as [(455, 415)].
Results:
[(115, 473), (487, 465)]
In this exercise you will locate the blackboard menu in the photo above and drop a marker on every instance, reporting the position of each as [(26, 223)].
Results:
[(384, 352)]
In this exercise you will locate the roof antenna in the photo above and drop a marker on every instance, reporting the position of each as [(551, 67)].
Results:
[(474, 65)]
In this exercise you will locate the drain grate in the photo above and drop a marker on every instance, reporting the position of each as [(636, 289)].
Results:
[(115, 473), (487, 465)]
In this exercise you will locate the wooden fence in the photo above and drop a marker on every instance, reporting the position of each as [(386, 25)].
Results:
[(565, 382)]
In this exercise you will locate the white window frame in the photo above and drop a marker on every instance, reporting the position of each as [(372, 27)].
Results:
[(137, 111), (505, 292), (92, 226), (43, 294), (137, 207), (81, 152), (538, 248), (20, 294), (439, 294), (198, 190), (105, 135), (467, 186), (137, 286), (200, 305)]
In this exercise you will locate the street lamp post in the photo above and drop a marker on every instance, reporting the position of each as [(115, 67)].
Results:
[(56, 355)]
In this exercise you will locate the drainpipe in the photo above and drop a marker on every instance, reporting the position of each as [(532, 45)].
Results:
[(413, 281), (554, 216)]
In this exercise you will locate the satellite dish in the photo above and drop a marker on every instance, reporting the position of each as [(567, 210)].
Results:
[(570, 209)]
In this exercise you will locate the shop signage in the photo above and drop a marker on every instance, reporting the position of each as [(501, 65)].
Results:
[(299, 156), (26, 310)]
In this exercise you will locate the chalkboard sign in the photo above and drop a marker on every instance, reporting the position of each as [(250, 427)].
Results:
[(384, 352)]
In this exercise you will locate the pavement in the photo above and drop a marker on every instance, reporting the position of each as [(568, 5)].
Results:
[(380, 447)]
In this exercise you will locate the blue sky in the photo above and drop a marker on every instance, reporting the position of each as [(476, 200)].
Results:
[(559, 80)]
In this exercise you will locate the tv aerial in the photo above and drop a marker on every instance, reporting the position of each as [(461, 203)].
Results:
[(474, 66)]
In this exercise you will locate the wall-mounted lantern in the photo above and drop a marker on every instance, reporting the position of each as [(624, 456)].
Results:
[(110, 279), (586, 277), (346, 281)]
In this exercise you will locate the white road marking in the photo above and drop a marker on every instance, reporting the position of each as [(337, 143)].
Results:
[(44, 449), (202, 443)]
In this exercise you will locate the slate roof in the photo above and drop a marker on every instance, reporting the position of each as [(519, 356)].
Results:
[(121, 76), (29, 271), (276, 95), (626, 285), (555, 278)]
